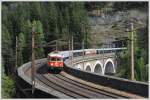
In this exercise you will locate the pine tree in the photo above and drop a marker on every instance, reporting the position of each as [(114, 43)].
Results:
[(39, 38), (21, 47)]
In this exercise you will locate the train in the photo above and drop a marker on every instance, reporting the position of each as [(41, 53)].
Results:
[(55, 59)]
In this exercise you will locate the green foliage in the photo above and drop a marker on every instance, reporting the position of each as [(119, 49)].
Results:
[(141, 52), (39, 27), (7, 51), (124, 69), (8, 87), (141, 70), (53, 20), (140, 56), (39, 38), (21, 44)]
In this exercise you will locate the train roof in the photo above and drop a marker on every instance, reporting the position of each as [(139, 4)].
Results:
[(55, 54), (63, 54), (112, 48)]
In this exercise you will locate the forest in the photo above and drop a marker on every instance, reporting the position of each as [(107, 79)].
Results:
[(52, 21)]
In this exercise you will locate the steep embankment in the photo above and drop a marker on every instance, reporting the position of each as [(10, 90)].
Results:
[(106, 27)]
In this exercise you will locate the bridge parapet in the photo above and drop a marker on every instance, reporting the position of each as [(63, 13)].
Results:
[(135, 87)]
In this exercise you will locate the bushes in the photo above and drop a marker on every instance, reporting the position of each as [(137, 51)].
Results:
[(8, 87), (123, 70)]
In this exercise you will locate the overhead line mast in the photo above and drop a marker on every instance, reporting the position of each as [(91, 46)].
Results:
[(82, 29), (33, 59), (16, 60), (72, 50), (132, 53)]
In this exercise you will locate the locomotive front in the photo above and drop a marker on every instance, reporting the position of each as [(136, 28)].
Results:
[(55, 61)]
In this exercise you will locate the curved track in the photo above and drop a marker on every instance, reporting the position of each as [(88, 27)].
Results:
[(72, 88)]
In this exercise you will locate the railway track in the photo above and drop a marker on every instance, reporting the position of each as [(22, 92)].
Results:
[(71, 86), (80, 84)]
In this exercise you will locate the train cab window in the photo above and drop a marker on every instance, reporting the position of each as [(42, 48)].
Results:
[(59, 59), (55, 59)]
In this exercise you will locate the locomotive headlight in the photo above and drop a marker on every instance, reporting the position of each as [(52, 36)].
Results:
[(51, 64)]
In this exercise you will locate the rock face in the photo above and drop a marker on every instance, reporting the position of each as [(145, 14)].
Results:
[(107, 27)]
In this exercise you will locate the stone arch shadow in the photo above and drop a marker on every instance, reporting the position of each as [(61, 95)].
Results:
[(109, 67), (98, 68), (88, 67)]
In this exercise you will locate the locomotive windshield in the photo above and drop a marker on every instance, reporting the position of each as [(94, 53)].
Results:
[(55, 59)]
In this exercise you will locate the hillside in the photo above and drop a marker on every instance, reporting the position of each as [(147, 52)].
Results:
[(108, 26)]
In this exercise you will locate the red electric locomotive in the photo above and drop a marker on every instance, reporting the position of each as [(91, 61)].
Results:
[(55, 61)]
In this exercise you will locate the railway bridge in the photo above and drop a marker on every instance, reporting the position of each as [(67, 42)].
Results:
[(82, 77), (101, 64)]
